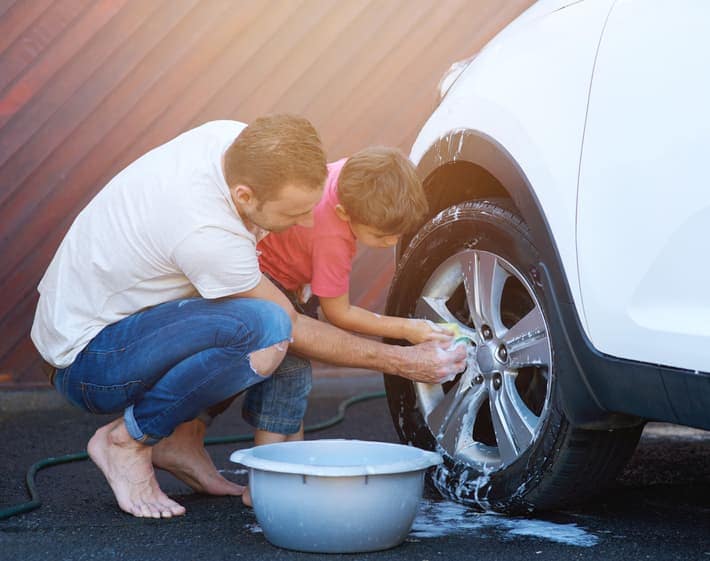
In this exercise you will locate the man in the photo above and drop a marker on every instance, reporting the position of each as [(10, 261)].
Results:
[(154, 304)]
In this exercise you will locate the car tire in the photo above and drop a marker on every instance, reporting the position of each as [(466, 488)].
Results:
[(500, 425)]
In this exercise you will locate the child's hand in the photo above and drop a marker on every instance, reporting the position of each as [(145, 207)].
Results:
[(422, 330)]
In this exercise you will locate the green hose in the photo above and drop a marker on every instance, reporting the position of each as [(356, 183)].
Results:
[(35, 501)]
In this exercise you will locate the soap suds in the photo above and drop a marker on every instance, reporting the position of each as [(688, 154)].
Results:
[(444, 518)]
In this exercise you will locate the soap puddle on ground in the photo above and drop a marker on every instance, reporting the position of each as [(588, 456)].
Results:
[(443, 518), (438, 519)]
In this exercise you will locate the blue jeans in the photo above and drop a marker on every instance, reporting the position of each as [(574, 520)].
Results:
[(279, 403), (169, 364)]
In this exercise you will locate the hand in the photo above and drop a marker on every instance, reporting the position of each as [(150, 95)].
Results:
[(433, 362), (420, 330)]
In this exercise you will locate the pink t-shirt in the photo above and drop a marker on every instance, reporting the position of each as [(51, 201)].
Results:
[(321, 255)]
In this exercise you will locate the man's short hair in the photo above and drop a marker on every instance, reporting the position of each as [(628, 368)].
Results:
[(379, 187), (274, 151)]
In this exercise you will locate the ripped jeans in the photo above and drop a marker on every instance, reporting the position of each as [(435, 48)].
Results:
[(169, 364)]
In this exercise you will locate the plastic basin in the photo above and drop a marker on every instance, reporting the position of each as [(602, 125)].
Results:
[(336, 496)]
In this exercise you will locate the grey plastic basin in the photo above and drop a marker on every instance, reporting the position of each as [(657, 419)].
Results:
[(336, 496)]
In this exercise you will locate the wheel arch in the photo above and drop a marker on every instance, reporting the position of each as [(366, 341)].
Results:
[(469, 165)]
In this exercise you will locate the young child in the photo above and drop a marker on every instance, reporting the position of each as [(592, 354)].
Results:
[(375, 197)]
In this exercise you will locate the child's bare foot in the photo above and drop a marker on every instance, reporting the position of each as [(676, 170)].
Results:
[(246, 497), (183, 454), (127, 466)]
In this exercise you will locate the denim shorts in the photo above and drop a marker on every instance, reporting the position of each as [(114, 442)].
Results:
[(279, 403), (168, 364)]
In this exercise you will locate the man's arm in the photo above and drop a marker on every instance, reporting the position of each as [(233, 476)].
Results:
[(427, 362)]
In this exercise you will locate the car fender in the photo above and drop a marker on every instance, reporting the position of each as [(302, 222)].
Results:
[(506, 95), (479, 123), (579, 399)]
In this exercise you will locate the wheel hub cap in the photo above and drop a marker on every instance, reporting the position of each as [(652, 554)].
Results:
[(484, 359)]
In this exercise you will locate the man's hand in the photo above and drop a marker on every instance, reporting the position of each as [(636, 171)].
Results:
[(433, 362), (421, 330)]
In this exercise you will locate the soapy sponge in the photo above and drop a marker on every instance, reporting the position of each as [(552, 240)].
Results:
[(455, 328)]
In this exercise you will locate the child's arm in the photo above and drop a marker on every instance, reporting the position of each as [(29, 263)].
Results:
[(342, 314)]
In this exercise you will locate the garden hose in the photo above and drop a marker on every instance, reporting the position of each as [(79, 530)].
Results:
[(35, 501)]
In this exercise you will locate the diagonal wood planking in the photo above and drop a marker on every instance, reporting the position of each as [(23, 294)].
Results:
[(87, 86)]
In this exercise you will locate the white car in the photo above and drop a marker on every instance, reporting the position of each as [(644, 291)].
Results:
[(566, 169)]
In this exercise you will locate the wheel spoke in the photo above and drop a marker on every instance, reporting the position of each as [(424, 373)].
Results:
[(532, 322), (458, 433), (514, 424), (534, 351), (434, 309), (452, 413), (440, 414), (429, 395), (527, 342), (484, 280)]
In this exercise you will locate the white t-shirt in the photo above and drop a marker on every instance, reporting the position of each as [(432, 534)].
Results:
[(164, 228)]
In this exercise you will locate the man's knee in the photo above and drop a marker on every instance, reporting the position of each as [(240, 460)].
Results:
[(265, 361)]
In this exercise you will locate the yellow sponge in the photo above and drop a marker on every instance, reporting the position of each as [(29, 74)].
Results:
[(459, 336), (453, 327)]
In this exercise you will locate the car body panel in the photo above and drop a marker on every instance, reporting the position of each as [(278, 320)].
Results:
[(536, 72), (644, 201), (519, 112)]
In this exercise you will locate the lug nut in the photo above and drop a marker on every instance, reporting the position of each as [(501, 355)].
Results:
[(487, 333), (497, 382), (478, 379), (502, 353)]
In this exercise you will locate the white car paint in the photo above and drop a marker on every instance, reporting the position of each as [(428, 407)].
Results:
[(644, 195), (633, 238), (528, 90)]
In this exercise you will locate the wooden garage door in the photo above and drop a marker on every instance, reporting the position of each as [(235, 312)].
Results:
[(86, 86)]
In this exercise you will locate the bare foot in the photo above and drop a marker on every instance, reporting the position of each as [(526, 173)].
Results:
[(127, 466), (183, 454), (246, 497)]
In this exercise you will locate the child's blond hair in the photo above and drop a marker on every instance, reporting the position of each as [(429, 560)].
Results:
[(379, 187)]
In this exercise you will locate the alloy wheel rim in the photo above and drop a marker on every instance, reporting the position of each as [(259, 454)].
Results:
[(491, 413)]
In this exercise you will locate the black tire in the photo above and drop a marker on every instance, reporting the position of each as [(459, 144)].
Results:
[(562, 464)]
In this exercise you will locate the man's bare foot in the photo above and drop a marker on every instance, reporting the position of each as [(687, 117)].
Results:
[(183, 454), (127, 466)]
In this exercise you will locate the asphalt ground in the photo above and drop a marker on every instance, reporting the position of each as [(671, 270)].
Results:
[(658, 509)]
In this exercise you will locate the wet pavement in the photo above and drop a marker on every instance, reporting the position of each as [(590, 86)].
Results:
[(658, 509)]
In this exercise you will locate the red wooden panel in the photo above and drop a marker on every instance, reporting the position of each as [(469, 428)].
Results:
[(288, 61), (109, 79), (232, 97), (17, 18), (82, 177), (99, 159), (17, 138), (326, 69), (29, 46), (45, 67), (233, 47), (69, 133), (409, 66), (326, 102)]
